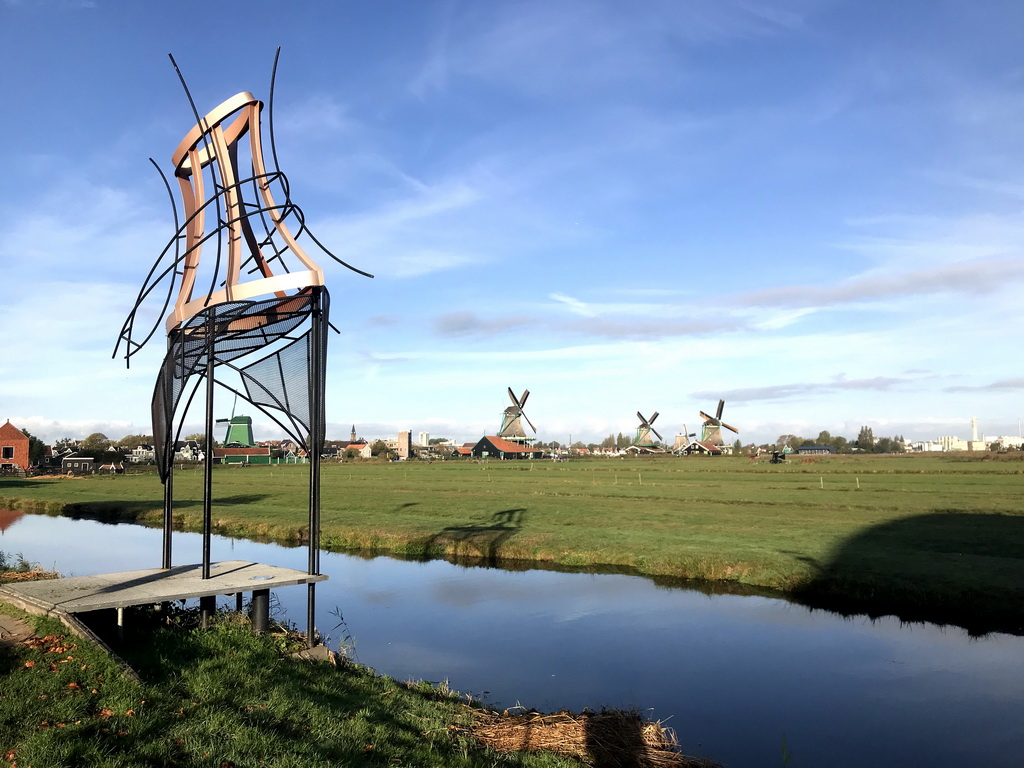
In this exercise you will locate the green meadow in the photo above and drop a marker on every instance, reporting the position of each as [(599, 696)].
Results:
[(932, 537)]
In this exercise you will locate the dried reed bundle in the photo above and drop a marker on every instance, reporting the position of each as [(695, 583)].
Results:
[(33, 575), (607, 739)]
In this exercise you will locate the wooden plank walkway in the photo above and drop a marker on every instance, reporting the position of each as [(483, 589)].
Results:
[(78, 594)]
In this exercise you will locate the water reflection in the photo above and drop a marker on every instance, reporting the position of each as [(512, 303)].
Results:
[(736, 674), (9, 517)]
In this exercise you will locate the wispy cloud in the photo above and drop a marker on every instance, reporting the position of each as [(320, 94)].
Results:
[(1003, 385), (408, 238), (972, 278), (575, 305), (656, 328), (801, 389), (319, 116), (470, 324), (549, 47)]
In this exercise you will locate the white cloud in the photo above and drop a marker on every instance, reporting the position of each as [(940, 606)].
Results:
[(575, 305)]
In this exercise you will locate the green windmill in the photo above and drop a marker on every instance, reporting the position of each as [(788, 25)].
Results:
[(239, 434)]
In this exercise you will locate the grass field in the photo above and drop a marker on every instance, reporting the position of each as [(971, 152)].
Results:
[(222, 697), (937, 537)]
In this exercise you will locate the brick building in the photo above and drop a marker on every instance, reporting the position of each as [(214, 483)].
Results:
[(13, 449)]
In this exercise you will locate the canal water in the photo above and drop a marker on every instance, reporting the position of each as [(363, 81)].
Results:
[(738, 678)]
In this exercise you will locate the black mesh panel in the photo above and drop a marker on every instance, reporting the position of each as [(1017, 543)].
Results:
[(278, 384)]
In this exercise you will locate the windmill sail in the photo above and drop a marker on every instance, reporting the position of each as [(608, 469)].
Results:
[(512, 418)]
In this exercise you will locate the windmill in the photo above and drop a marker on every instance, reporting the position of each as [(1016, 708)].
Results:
[(683, 439), (239, 430), (712, 431), (643, 432), (512, 419)]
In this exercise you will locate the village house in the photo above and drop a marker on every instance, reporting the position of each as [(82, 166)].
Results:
[(254, 455), (492, 446), (815, 450), (78, 465), (13, 450), (700, 448), (188, 450), (141, 454)]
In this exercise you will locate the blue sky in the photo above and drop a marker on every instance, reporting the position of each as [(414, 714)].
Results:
[(812, 209)]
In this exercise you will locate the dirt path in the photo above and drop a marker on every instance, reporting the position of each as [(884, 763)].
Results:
[(13, 631)]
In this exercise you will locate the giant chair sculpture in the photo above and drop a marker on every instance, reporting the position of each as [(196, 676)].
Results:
[(254, 320)]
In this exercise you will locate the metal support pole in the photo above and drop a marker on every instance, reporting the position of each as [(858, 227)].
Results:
[(168, 517), (238, 601), (120, 624), (207, 607), (259, 610), (208, 448), (168, 493), (316, 415)]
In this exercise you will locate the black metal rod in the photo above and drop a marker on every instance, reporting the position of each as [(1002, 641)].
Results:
[(316, 415), (207, 609), (259, 610), (168, 517), (208, 449)]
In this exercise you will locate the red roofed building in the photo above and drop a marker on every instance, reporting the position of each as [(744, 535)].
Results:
[(254, 455), (496, 447), (13, 448), (699, 448)]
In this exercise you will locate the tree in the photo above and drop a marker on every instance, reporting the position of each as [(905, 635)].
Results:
[(436, 440), (97, 441), (737, 447), (200, 437), (131, 442), (36, 448), (788, 441), (866, 439), (889, 445), (378, 448)]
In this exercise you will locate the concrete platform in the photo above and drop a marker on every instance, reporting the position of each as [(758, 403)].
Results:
[(78, 594)]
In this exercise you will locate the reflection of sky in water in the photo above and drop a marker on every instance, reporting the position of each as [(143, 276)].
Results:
[(735, 674)]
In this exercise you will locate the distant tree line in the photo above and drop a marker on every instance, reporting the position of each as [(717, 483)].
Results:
[(866, 442)]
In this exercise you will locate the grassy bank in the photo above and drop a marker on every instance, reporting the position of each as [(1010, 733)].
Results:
[(222, 697), (926, 537)]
